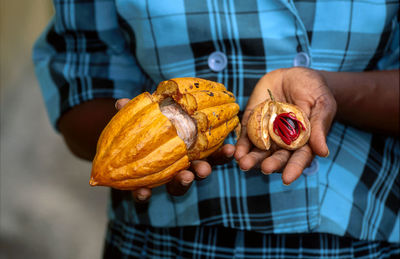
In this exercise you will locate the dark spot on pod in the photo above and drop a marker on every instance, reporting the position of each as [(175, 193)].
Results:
[(209, 131), (229, 94), (214, 114), (211, 94), (191, 87), (196, 85)]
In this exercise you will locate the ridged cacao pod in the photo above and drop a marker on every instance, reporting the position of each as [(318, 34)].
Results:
[(156, 135)]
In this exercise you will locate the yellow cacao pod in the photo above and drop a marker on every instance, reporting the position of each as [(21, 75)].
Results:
[(156, 135)]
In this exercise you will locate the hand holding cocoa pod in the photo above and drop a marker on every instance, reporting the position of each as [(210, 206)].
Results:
[(275, 137), (182, 181), (157, 135)]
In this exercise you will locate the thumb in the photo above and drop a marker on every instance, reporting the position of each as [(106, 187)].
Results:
[(243, 144), (321, 118), (121, 103)]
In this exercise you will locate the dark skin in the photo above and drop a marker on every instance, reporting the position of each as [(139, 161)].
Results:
[(373, 102), (368, 100), (82, 125)]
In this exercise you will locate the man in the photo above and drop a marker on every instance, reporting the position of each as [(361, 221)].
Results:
[(335, 59)]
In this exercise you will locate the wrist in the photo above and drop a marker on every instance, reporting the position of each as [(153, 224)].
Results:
[(328, 78), (368, 100)]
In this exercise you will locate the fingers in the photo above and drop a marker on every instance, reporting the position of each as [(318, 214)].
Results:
[(201, 168), (292, 164), (141, 195), (181, 183), (252, 159), (321, 118), (121, 103), (299, 160), (222, 155), (275, 162), (243, 144), (259, 95)]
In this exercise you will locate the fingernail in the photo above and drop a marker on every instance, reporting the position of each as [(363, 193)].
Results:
[(141, 197), (266, 173), (327, 154), (286, 184), (244, 170), (201, 176), (116, 105), (186, 183)]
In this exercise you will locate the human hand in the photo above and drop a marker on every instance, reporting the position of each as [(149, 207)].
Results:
[(199, 169), (305, 88)]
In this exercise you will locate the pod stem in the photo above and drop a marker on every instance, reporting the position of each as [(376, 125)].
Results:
[(270, 95)]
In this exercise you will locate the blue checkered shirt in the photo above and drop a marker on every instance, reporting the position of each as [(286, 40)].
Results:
[(120, 48)]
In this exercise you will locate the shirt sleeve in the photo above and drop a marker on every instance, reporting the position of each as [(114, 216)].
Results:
[(391, 59), (84, 54)]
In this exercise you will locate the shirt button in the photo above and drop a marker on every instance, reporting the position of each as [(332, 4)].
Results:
[(301, 60), (217, 61), (312, 169)]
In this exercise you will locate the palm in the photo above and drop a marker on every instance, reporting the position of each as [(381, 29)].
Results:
[(306, 89)]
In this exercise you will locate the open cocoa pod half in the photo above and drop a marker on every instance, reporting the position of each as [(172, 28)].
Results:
[(284, 124), (156, 135)]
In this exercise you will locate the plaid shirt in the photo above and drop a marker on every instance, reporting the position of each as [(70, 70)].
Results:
[(218, 242), (121, 48)]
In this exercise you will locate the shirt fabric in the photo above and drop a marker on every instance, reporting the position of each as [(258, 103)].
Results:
[(120, 48), (226, 243)]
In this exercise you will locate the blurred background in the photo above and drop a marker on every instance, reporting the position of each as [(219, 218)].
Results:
[(47, 209)]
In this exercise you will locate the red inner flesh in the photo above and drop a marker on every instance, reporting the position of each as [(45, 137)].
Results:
[(288, 127)]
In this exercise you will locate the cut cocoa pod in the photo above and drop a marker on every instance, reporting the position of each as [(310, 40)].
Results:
[(284, 124), (156, 135)]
